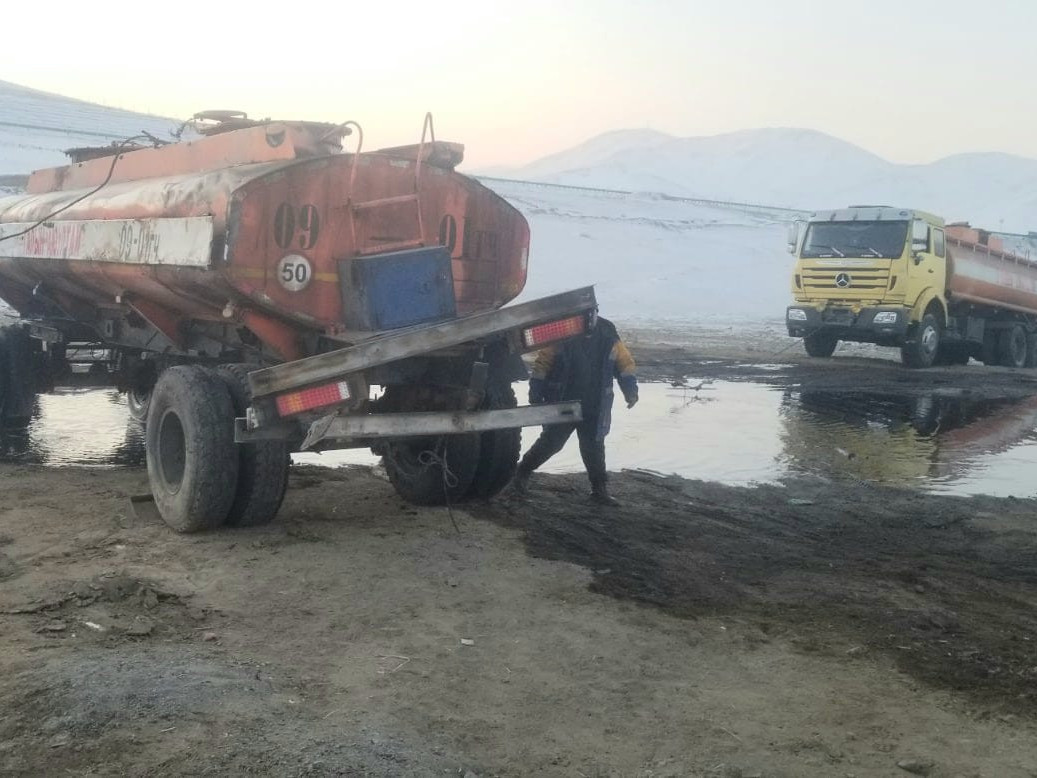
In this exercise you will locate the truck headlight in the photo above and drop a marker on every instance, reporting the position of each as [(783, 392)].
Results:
[(797, 314), (885, 317)]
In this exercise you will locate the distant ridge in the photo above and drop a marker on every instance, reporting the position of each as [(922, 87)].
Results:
[(782, 167), (798, 168), (36, 127)]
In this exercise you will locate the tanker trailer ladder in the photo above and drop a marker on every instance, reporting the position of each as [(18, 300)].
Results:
[(282, 392), (366, 207)]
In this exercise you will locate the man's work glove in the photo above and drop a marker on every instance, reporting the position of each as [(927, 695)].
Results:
[(628, 385), (537, 391)]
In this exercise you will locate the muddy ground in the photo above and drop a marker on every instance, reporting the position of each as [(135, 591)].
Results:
[(817, 627)]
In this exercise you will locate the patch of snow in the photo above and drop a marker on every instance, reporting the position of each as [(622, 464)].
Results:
[(654, 260)]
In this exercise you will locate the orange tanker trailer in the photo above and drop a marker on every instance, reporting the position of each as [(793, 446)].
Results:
[(259, 272)]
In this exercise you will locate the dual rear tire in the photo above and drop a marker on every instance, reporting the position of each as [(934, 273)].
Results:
[(200, 478), (452, 468), (1013, 347)]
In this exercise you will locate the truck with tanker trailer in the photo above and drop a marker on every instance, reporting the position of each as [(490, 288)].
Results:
[(942, 293), (257, 290)]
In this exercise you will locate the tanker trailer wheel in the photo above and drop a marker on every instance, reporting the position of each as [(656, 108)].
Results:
[(1012, 347), (820, 344), (138, 400), (499, 449), (924, 345), (190, 450), (262, 466), (17, 379), (415, 467)]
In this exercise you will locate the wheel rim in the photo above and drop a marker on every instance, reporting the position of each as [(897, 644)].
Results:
[(172, 452), (930, 340), (138, 399)]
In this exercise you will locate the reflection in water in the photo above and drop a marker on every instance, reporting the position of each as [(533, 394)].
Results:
[(735, 433), (932, 440), (78, 427)]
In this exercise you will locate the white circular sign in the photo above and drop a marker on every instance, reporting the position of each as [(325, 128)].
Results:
[(294, 272)]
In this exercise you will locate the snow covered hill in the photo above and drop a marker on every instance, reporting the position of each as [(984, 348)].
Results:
[(36, 127), (654, 259), (799, 169)]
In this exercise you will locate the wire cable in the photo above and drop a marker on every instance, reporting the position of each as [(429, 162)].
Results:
[(111, 170)]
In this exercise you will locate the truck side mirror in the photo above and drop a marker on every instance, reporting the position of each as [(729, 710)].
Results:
[(793, 237)]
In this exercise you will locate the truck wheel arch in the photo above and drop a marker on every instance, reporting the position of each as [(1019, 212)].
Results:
[(930, 301)]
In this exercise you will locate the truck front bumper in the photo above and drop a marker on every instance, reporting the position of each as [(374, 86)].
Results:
[(885, 325)]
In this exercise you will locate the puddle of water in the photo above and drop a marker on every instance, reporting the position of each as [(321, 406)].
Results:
[(937, 442), (732, 432), (670, 430), (83, 427)]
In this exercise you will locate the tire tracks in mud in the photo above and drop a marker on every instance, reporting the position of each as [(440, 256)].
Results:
[(842, 569)]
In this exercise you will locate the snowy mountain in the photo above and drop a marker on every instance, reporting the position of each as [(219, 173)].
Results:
[(799, 169), (36, 127), (654, 259)]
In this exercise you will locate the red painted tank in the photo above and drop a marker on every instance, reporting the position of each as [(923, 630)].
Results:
[(253, 225)]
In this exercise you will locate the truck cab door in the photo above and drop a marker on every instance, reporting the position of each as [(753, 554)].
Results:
[(927, 267), (922, 267)]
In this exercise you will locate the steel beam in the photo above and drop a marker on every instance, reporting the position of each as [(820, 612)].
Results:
[(417, 341)]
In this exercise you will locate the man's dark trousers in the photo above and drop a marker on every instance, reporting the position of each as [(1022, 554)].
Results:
[(553, 438)]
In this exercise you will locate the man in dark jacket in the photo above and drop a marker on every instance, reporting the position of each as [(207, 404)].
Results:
[(581, 369)]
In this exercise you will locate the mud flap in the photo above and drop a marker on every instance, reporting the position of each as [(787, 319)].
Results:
[(144, 508)]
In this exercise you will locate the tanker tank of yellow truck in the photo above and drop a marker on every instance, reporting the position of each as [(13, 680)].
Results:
[(942, 293)]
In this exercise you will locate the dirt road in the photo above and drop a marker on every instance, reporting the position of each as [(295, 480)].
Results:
[(814, 628)]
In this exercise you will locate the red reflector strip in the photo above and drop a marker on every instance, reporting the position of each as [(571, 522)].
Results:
[(314, 397), (553, 330)]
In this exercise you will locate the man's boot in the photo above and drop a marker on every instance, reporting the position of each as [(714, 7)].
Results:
[(600, 495)]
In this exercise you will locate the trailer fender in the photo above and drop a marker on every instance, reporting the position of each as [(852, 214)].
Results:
[(930, 297)]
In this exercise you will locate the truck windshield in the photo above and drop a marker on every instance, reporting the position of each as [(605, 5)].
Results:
[(855, 239)]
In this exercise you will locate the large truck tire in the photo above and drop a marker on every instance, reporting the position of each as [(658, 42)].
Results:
[(262, 466), (924, 346), (499, 449), (416, 467), (820, 344), (1012, 346), (17, 379), (189, 446)]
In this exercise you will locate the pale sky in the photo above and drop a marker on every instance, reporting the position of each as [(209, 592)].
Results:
[(911, 80)]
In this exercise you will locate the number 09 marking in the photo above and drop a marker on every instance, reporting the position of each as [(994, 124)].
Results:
[(294, 272)]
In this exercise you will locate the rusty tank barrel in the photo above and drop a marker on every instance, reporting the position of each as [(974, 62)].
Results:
[(268, 226)]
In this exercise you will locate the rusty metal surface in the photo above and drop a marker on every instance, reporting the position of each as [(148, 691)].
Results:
[(301, 211), (265, 143), (400, 425), (175, 241), (418, 341), (984, 276)]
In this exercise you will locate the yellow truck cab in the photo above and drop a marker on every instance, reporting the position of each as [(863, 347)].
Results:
[(901, 277)]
